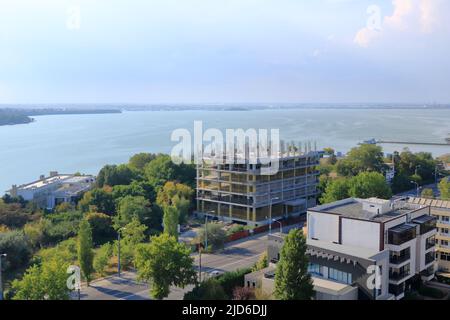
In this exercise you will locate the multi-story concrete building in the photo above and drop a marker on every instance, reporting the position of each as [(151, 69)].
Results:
[(48, 192), (353, 242), (441, 210), (243, 193)]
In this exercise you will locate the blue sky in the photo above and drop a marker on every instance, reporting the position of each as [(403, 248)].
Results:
[(221, 51)]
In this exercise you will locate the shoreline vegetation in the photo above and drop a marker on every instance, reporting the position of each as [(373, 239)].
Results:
[(23, 116)]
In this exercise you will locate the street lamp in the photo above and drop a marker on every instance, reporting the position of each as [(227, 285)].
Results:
[(118, 250), (281, 225), (1, 284), (270, 212), (415, 171), (417, 188)]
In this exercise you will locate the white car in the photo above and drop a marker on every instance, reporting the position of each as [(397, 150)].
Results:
[(215, 273)]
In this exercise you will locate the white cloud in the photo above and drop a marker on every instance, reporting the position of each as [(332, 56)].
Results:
[(410, 17)]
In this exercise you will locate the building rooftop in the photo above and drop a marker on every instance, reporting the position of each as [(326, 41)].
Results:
[(445, 204), (351, 251), (44, 182), (371, 209)]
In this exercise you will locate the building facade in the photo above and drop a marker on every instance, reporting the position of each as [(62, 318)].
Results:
[(440, 209), (48, 192), (244, 194)]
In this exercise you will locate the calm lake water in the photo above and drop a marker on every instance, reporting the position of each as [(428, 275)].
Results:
[(84, 143)]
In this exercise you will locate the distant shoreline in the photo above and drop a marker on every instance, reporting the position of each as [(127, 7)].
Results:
[(19, 114), (9, 116)]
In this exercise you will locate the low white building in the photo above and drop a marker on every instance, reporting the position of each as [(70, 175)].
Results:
[(48, 192)]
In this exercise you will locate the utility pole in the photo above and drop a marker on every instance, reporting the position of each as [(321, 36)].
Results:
[(118, 252), (1, 283)]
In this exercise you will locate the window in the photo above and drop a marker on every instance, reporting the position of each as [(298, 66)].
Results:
[(445, 218), (444, 243), (444, 230), (340, 276), (314, 268)]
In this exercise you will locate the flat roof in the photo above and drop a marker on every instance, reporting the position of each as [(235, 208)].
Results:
[(44, 182), (353, 208), (331, 286)]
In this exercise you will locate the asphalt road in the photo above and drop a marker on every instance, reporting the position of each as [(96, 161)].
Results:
[(237, 255)]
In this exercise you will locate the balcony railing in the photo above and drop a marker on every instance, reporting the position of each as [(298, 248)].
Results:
[(429, 258), (399, 275), (397, 259), (429, 244)]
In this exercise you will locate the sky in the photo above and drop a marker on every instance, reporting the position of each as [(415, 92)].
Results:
[(224, 51)]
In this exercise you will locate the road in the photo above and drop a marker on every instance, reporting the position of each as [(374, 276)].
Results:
[(236, 255), (413, 192)]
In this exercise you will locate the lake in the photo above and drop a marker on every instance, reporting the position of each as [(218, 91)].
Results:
[(84, 143)]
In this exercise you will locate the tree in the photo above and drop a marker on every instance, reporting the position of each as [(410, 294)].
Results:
[(98, 200), (46, 281), (101, 225), (335, 190), (160, 170), (140, 160), (292, 280), (207, 290), (132, 207), (112, 175), (163, 263), (178, 195), (84, 249), (444, 188), (427, 193), (263, 262), (216, 236), (102, 257), (369, 184), (170, 221), (367, 157), (18, 252), (134, 232)]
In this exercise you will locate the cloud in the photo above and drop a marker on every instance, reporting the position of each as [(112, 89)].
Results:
[(410, 17)]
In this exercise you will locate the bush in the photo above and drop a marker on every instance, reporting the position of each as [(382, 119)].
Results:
[(207, 290), (15, 245), (102, 230), (431, 292), (235, 228), (102, 257), (233, 279)]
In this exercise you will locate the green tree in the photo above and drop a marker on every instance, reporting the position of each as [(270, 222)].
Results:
[(84, 249), (132, 207), (178, 195), (444, 188), (102, 258), (163, 263), (111, 175), (335, 190), (209, 289), (366, 157), (101, 225), (46, 281), (263, 262), (18, 251), (215, 234), (134, 232), (427, 193), (140, 160), (170, 221), (292, 280), (98, 200), (369, 184)]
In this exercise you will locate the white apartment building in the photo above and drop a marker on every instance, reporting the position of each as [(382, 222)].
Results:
[(48, 192), (353, 242), (441, 210)]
